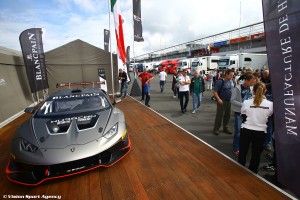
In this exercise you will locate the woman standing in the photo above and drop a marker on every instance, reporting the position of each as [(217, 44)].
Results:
[(255, 113)]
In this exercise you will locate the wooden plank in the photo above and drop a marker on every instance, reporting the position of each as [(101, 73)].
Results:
[(165, 163)]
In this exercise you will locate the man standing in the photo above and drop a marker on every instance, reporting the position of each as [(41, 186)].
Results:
[(222, 93), (123, 79), (184, 82), (239, 94), (197, 88), (143, 77), (162, 79)]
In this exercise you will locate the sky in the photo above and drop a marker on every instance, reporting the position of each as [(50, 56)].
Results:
[(165, 22)]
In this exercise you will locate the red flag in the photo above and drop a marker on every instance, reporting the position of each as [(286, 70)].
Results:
[(115, 8)]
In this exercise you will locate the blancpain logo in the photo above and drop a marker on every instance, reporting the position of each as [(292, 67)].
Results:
[(68, 120), (76, 96)]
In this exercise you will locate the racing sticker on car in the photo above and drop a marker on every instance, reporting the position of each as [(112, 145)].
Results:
[(62, 125), (68, 119), (76, 96)]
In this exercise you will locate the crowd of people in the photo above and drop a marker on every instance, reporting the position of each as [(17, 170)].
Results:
[(246, 93)]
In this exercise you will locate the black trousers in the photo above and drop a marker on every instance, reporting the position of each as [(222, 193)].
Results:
[(185, 95), (256, 138)]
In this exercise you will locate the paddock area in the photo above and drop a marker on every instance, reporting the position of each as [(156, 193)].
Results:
[(165, 162)]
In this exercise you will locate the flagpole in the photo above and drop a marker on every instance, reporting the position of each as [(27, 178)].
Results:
[(111, 58), (135, 75)]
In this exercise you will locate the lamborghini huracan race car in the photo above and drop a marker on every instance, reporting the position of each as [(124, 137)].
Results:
[(73, 131)]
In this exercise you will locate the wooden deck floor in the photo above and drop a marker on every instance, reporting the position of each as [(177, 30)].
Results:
[(165, 163)]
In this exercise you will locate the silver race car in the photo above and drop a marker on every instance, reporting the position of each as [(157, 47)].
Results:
[(73, 131)]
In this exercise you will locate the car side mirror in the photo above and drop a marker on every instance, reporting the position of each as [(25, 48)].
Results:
[(29, 110)]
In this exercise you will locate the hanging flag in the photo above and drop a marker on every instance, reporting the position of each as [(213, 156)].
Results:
[(282, 22), (106, 39), (34, 59), (137, 21), (115, 8)]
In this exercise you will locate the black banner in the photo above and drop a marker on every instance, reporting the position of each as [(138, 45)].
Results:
[(282, 22), (137, 21), (106, 39), (34, 58)]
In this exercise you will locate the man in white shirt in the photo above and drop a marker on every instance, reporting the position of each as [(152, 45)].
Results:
[(162, 80), (184, 87)]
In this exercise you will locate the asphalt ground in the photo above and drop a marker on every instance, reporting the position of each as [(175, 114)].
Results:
[(199, 124)]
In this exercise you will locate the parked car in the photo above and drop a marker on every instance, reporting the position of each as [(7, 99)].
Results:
[(73, 131)]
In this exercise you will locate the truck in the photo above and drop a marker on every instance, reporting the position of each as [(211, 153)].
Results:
[(241, 60), (184, 64), (206, 63), (169, 66)]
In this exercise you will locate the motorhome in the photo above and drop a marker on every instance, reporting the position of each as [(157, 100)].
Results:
[(206, 63), (241, 60)]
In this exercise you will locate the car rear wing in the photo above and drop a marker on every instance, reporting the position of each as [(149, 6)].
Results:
[(59, 85)]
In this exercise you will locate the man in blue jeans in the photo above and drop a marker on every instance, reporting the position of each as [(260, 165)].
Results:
[(197, 87), (239, 94)]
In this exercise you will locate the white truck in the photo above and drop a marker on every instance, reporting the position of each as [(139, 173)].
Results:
[(206, 63), (241, 60), (184, 64)]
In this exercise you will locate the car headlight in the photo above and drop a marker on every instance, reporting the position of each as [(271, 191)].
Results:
[(27, 146), (111, 132)]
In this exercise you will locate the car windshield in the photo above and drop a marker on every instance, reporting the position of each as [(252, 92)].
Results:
[(71, 104)]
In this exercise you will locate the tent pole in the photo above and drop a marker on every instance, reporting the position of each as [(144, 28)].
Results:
[(111, 58), (33, 99)]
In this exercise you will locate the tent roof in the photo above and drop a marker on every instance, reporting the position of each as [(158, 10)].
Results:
[(77, 52), (7, 51)]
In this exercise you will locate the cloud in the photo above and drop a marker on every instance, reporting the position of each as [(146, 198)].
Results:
[(165, 23)]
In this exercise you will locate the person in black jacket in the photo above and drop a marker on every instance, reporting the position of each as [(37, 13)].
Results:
[(197, 87), (124, 85)]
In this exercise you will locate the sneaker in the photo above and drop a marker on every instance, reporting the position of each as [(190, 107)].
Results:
[(227, 131), (237, 152), (194, 111), (216, 132), (270, 167), (174, 96)]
